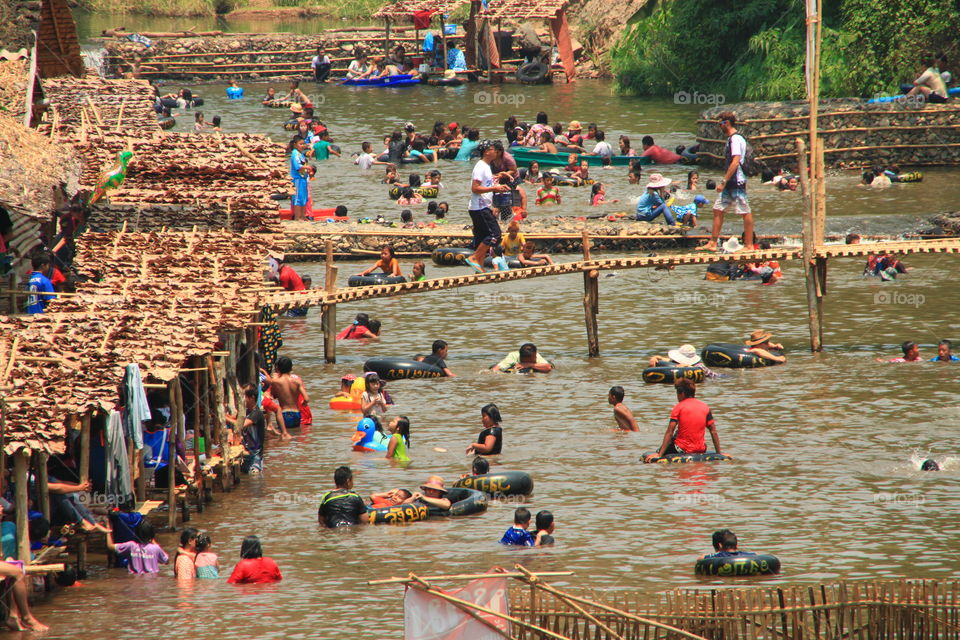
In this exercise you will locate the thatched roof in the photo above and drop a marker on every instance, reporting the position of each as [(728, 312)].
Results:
[(31, 165), (14, 76), (18, 19)]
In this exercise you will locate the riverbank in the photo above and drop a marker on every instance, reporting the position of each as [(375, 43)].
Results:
[(239, 9)]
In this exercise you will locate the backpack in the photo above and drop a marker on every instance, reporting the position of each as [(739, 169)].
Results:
[(748, 162)]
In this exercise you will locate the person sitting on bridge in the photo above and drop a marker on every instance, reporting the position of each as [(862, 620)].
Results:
[(759, 343), (725, 546), (526, 359), (685, 356), (689, 420)]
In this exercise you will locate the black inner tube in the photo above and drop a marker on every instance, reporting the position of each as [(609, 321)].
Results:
[(760, 564)]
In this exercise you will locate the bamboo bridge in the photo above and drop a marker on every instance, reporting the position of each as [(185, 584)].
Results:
[(330, 296)]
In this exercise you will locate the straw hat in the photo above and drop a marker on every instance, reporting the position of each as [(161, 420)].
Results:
[(732, 245), (276, 255), (657, 180), (574, 126), (434, 482), (685, 355), (758, 337), (296, 107)]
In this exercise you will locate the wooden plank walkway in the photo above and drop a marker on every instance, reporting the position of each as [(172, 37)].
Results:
[(289, 299)]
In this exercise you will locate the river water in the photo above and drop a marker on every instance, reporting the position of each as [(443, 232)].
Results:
[(826, 447)]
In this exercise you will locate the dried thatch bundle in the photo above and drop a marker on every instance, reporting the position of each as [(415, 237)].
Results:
[(14, 75), (31, 165)]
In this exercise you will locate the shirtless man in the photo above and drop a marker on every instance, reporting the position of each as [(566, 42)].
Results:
[(621, 413), (286, 389)]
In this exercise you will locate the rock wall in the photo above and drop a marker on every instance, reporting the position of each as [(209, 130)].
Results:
[(854, 133)]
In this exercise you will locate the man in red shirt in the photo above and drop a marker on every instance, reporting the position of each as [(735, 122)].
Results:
[(688, 421), (659, 154), (289, 280)]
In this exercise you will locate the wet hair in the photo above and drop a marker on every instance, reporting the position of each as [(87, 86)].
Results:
[(403, 428), (389, 248), (480, 466), (407, 193), (617, 393), (724, 540), (250, 548), (340, 211), (510, 124), (188, 534), (907, 346), (414, 180), (284, 364), (852, 237), (711, 184), (216, 121), (293, 143), (39, 260), (249, 391), (542, 118), (492, 412), (766, 176), (362, 319), (528, 349), (946, 343), (600, 135), (605, 161), (521, 516), (929, 465), (341, 476), (595, 189), (38, 528), (646, 141), (544, 520), (473, 134), (198, 116), (868, 177), (438, 345), (374, 327), (686, 388), (690, 175), (406, 215), (203, 542), (145, 532), (443, 207)]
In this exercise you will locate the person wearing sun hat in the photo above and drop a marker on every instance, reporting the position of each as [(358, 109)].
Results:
[(654, 201), (759, 343), (573, 132), (433, 492), (685, 356)]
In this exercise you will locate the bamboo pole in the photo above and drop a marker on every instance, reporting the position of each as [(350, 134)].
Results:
[(20, 461), (85, 447), (43, 484), (591, 301), (3, 444), (172, 453), (197, 431), (470, 576)]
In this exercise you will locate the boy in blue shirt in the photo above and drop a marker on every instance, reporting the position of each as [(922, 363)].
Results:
[(40, 288), (517, 535), (945, 353)]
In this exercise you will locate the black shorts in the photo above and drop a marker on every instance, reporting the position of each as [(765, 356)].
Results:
[(486, 229)]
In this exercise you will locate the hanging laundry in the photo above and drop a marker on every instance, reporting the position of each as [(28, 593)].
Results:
[(421, 19), (271, 339), (135, 401), (118, 488)]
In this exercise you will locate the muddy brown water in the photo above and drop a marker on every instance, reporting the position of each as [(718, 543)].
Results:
[(826, 447)]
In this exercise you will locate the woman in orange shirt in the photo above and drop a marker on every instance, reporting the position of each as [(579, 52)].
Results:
[(387, 262)]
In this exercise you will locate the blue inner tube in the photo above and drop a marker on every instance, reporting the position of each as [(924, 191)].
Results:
[(669, 375), (450, 256), (758, 565), (513, 263), (398, 514), (501, 483), (401, 369), (374, 279), (734, 356), (682, 458)]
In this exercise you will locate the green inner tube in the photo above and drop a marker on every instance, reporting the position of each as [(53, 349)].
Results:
[(502, 483), (681, 458), (758, 565), (733, 356), (669, 375), (450, 256)]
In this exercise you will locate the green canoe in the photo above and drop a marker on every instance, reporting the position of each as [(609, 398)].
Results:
[(525, 155)]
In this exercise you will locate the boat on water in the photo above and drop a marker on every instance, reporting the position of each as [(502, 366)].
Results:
[(526, 155), (401, 80)]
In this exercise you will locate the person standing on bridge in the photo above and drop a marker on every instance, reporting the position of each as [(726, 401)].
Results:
[(733, 187), (486, 229)]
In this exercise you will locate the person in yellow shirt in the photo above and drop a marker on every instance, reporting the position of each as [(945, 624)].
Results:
[(513, 242)]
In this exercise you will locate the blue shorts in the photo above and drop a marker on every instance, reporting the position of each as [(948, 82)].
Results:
[(291, 419), (302, 193)]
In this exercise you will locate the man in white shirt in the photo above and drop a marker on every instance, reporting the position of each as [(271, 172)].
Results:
[(603, 147), (486, 229), (321, 65), (733, 187)]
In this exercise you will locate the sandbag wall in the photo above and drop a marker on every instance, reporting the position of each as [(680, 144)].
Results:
[(854, 133)]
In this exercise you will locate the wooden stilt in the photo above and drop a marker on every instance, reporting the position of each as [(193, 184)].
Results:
[(43, 484), (443, 38), (172, 453), (814, 298), (328, 312), (20, 461), (197, 433), (84, 470), (386, 38), (226, 480), (591, 300), (3, 444)]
